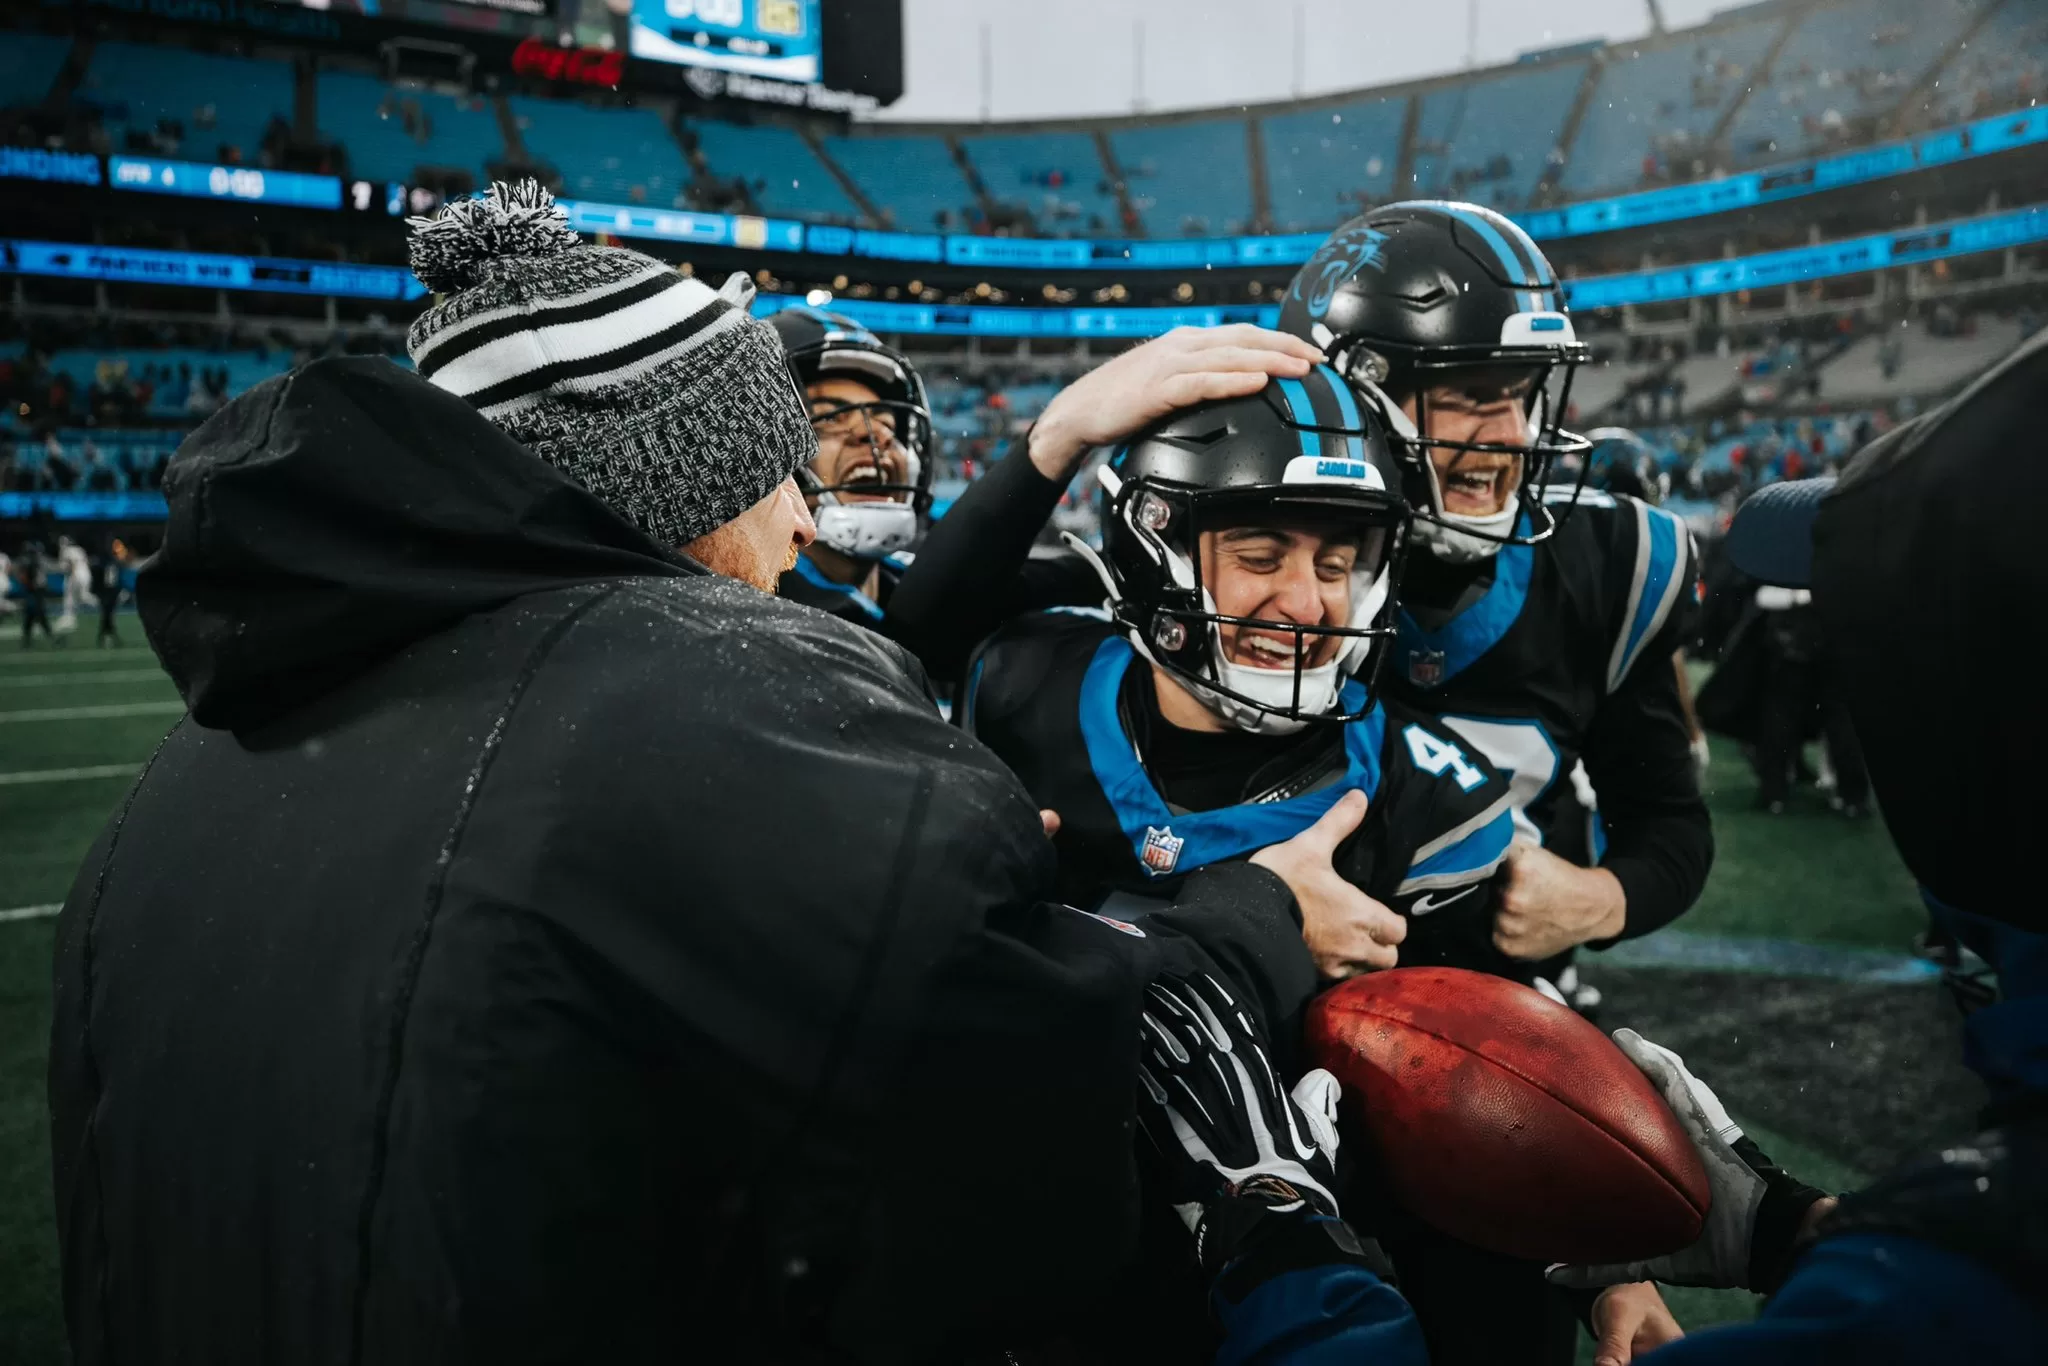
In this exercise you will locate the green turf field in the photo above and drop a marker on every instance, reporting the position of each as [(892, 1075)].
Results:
[(69, 715)]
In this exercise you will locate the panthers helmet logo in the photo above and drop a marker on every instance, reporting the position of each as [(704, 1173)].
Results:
[(1348, 251)]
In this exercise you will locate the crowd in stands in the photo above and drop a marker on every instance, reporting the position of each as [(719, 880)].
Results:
[(100, 407), (1748, 87)]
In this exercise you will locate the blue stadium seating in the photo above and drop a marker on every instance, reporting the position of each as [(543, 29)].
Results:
[(785, 176), (619, 156), (221, 101), (390, 131), (1658, 96), (2004, 66), (1488, 140), (912, 179), (28, 64), (1188, 179), (245, 369), (1058, 178), (1842, 62), (1322, 164)]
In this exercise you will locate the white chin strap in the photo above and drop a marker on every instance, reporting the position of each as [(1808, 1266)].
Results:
[(865, 531), (1269, 688), (1455, 546)]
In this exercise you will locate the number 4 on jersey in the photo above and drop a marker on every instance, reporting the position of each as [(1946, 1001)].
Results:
[(1433, 754)]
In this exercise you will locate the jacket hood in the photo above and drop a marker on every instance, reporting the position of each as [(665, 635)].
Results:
[(333, 515)]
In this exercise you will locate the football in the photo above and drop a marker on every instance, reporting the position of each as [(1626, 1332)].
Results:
[(1505, 1119)]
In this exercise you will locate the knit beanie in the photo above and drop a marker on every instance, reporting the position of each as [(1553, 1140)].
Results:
[(655, 392)]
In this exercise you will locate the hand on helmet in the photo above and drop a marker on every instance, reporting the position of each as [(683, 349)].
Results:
[(1188, 365)]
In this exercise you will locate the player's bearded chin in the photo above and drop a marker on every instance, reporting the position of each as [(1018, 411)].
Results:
[(1478, 483)]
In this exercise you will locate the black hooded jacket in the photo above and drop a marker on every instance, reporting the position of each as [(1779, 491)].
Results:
[(533, 948)]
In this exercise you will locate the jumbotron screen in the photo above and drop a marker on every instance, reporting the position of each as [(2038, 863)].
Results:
[(779, 39)]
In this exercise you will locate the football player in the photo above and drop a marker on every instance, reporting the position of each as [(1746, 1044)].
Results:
[(1539, 625), (870, 487), (1223, 699)]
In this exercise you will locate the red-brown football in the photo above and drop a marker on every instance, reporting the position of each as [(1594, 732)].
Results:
[(1504, 1119)]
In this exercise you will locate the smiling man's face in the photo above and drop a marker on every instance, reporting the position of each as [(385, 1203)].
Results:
[(855, 445), (1489, 407), (1299, 574)]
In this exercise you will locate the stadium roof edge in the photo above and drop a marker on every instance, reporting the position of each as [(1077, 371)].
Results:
[(1591, 49)]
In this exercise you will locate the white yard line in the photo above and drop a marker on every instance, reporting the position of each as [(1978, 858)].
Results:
[(11, 658), (92, 713), (83, 676), (68, 775), (31, 912)]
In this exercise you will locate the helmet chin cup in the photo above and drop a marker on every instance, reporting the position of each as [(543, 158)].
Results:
[(1271, 697), (1444, 540), (865, 531)]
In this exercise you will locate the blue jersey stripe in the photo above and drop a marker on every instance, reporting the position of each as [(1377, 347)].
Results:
[(968, 692), (1304, 413), (1471, 858), (847, 591), (1480, 626), (1226, 832), (1649, 597)]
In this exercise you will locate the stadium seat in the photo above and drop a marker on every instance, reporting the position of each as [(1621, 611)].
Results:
[(1841, 64), (1324, 164), (780, 171), (390, 131), (219, 101), (1188, 179), (1659, 99), (29, 62), (617, 156), (911, 179), (1058, 178), (1489, 140)]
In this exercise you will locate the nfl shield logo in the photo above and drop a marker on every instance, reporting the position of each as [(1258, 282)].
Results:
[(1425, 668), (1161, 851)]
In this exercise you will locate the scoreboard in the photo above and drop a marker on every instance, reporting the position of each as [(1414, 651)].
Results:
[(773, 38)]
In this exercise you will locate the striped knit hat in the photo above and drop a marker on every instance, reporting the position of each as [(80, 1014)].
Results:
[(655, 392)]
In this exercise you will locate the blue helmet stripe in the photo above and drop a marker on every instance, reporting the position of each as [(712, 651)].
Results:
[(1513, 269), (1347, 409), (1304, 414)]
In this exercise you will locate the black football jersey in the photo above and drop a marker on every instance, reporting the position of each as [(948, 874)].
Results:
[(1567, 656), (1052, 694), (809, 585)]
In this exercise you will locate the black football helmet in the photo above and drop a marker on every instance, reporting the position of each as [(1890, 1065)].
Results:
[(880, 511), (1619, 461), (1301, 450), (1428, 293)]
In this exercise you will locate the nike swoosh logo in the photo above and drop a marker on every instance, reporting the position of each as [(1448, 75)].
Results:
[(1423, 905)]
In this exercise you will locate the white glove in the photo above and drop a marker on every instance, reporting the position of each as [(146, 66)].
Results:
[(1216, 1109), (1721, 1255), (1702, 755)]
